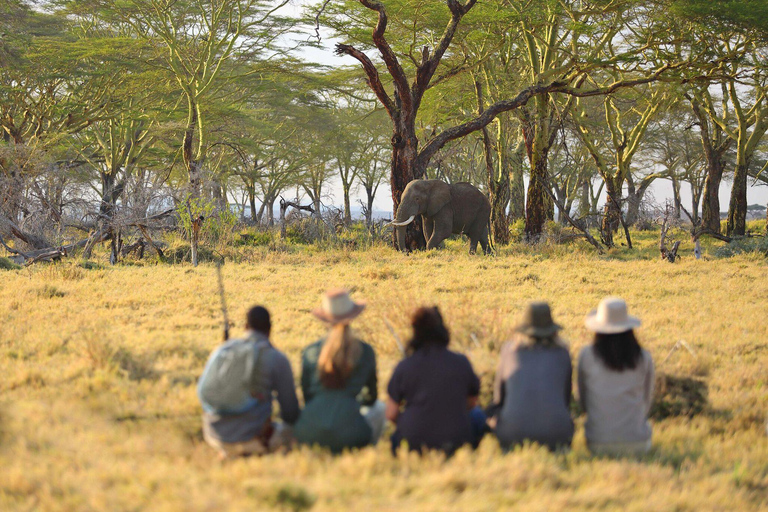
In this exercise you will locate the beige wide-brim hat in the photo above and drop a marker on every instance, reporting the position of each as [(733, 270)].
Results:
[(611, 317), (337, 306)]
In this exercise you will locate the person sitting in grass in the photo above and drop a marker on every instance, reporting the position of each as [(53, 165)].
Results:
[(615, 380), (236, 390), (532, 390), (437, 390), (338, 379)]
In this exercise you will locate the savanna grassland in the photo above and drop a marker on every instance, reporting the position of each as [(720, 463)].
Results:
[(99, 366)]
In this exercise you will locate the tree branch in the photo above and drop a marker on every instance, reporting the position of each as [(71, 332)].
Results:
[(374, 81), (389, 57)]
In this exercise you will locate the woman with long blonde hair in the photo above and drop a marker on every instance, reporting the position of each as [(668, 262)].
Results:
[(338, 379)]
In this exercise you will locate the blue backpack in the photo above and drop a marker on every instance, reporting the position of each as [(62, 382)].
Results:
[(234, 378)]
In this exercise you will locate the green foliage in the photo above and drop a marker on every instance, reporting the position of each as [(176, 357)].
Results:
[(7, 264), (293, 497), (729, 14), (755, 245), (218, 228)]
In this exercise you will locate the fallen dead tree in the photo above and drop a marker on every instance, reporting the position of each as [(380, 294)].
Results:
[(107, 230)]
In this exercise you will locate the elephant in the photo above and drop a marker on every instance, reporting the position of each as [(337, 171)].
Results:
[(445, 209)]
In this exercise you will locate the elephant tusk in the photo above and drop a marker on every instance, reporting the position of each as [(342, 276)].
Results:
[(405, 223)]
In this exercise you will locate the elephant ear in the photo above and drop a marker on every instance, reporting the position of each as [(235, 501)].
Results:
[(439, 196)]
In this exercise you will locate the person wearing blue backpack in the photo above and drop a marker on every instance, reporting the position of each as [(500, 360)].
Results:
[(236, 390)]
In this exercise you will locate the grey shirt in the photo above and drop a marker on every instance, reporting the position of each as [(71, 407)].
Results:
[(616, 402), (238, 428), (533, 386)]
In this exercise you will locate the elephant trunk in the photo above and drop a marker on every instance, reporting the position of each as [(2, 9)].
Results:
[(401, 238)]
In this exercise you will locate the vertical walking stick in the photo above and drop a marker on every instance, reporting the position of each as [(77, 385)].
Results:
[(223, 301)]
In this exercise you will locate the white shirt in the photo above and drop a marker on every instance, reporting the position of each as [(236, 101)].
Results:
[(616, 402)]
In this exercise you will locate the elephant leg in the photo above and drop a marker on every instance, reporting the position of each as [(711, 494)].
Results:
[(442, 227), (485, 245), (472, 245)]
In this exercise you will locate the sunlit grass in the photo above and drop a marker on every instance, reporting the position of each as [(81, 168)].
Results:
[(99, 366)]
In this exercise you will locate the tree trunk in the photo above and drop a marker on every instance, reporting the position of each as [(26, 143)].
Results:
[(676, 196), (611, 211), (347, 207), (252, 205), (737, 210), (695, 201), (517, 186), (271, 211), (710, 207), (404, 170), (370, 194), (539, 207), (497, 176), (538, 203)]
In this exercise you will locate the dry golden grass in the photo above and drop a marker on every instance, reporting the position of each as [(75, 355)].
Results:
[(99, 366)]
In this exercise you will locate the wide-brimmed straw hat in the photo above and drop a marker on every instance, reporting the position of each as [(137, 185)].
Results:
[(537, 321), (611, 317), (337, 307)]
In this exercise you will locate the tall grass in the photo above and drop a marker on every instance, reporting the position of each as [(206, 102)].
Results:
[(97, 395)]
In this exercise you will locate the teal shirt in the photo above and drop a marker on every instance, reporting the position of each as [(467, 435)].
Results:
[(331, 417)]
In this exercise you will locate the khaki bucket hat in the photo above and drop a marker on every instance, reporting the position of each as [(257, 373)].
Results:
[(537, 321), (611, 317), (337, 306)]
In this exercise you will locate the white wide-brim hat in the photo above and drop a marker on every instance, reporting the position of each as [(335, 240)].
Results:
[(337, 306), (611, 317)]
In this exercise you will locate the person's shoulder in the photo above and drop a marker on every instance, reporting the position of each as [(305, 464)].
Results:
[(587, 354), (367, 348), (459, 358), (312, 351), (647, 358)]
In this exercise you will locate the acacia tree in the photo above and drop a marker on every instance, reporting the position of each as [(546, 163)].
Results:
[(613, 150), (199, 41), (403, 103)]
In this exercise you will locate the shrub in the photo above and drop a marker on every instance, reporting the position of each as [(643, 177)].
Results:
[(7, 264), (757, 245), (218, 223)]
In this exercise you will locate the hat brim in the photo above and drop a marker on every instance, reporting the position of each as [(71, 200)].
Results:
[(322, 315), (592, 323), (541, 332)]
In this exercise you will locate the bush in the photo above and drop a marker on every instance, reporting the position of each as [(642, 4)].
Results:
[(218, 227), (517, 231), (254, 238), (7, 264), (757, 245)]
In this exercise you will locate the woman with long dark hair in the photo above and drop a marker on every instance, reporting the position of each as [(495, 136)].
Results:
[(338, 379), (615, 378), (532, 390), (437, 390)]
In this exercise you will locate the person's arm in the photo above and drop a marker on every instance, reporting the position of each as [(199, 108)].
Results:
[(650, 380), (306, 378), (286, 390), (569, 383), (370, 392), (581, 379), (392, 411), (396, 395), (473, 390)]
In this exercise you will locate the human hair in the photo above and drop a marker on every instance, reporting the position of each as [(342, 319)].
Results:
[(618, 352), (258, 320), (523, 340), (428, 329), (338, 357)]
